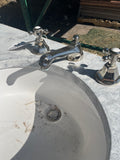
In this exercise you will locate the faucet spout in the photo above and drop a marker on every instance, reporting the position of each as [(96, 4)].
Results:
[(72, 52)]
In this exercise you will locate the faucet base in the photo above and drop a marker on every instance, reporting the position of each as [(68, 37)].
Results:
[(75, 57), (108, 75)]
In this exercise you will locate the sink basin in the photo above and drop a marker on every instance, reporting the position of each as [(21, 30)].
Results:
[(50, 115)]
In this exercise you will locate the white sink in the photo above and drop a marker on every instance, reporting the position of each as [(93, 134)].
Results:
[(50, 115)]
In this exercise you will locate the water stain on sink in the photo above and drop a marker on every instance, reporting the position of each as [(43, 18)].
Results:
[(17, 126), (19, 141), (28, 127), (30, 103)]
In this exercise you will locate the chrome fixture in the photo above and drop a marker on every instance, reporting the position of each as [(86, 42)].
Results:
[(109, 74), (39, 46), (39, 41), (72, 52)]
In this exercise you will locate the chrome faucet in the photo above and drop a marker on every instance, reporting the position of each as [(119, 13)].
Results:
[(72, 52), (109, 74), (39, 41), (40, 45)]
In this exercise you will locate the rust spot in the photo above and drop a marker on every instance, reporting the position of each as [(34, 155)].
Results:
[(18, 141), (16, 126), (30, 103), (27, 127)]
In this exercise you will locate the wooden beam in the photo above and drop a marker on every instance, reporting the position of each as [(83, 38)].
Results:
[(111, 4)]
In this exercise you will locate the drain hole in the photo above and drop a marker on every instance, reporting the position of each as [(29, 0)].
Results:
[(53, 114)]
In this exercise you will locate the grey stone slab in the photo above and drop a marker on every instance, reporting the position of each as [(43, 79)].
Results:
[(109, 96)]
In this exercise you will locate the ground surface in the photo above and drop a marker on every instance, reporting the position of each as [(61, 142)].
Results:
[(61, 17), (98, 36)]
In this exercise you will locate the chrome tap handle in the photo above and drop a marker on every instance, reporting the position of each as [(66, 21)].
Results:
[(115, 53), (112, 53), (39, 41), (109, 74), (38, 31), (78, 55), (76, 39)]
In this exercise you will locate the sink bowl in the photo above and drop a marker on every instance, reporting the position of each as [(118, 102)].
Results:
[(50, 115)]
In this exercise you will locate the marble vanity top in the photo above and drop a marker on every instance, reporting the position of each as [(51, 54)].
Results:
[(109, 96)]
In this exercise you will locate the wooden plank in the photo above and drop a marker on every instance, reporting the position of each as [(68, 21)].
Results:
[(107, 10), (111, 4), (100, 12), (99, 22)]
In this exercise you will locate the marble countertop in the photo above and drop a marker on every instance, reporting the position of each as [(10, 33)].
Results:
[(109, 96)]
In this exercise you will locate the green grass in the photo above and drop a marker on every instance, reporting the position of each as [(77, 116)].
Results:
[(102, 38)]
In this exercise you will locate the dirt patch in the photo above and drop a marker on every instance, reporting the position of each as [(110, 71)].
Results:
[(96, 36), (105, 38)]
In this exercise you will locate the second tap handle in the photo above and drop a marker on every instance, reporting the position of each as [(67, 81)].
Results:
[(76, 39)]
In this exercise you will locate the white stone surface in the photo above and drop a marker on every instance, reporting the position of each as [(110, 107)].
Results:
[(109, 96)]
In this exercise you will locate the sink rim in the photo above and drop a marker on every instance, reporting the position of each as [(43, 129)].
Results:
[(96, 103), (92, 97)]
